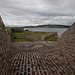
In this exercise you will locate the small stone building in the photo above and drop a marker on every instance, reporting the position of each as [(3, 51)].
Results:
[(18, 29)]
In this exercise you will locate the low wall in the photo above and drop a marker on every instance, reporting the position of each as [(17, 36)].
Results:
[(48, 35), (4, 50), (31, 38), (67, 45)]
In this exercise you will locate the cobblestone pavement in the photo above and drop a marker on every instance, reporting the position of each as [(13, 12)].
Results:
[(39, 59)]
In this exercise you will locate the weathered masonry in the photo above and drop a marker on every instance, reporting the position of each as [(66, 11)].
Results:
[(67, 45), (4, 50)]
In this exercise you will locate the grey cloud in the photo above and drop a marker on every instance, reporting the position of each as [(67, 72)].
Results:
[(33, 12)]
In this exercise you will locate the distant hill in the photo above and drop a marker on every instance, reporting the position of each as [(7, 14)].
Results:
[(41, 26), (48, 26)]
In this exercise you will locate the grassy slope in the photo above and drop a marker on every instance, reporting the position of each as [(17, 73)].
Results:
[(53, 38)]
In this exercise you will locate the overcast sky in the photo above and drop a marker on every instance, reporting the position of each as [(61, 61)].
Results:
[(35, 12)]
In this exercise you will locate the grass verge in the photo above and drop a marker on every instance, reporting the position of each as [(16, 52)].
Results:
[(52, 38)]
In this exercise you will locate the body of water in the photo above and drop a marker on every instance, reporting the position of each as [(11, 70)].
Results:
[(58, 30)]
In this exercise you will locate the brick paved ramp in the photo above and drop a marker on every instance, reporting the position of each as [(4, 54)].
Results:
[(38, 58)]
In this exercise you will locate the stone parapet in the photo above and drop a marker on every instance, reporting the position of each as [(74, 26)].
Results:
[(4, 50), (67, 45)]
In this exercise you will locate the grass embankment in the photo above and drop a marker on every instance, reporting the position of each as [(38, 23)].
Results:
[(52, 38)]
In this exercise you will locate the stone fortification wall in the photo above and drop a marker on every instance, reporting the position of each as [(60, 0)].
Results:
[(4, 50), (67, 45)]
